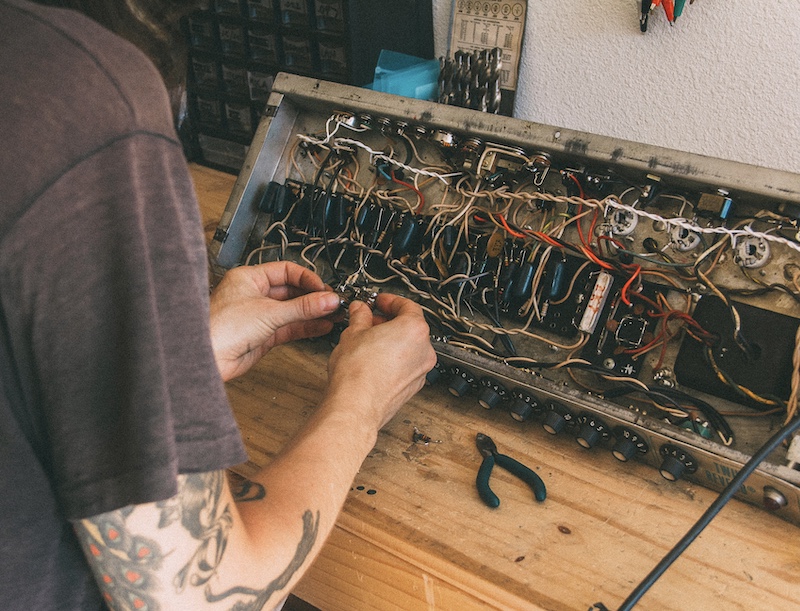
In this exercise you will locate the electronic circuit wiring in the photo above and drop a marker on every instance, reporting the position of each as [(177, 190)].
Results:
[(503, 250)]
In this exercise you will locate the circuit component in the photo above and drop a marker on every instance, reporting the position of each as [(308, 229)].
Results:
[(684, 239), (597, 299), (752, 252), (348, 294), (765, 369)]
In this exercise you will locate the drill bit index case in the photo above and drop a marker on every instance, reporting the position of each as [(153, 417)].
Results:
[(642, 300)]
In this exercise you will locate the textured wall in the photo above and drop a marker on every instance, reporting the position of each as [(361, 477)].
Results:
[(723, 82)]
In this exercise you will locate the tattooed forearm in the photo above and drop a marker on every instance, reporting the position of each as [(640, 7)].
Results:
[(124, 564), (244, 490), (306, 543), (208, 521)]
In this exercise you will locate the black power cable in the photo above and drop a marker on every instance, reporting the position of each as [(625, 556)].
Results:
[(726, 495)]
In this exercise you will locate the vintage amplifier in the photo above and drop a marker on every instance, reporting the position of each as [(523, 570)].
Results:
[(643, 300)]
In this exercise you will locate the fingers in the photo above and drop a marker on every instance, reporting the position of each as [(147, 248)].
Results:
[(389, 306), (360, 316), (306, 307), (285, 280), (303, 330)]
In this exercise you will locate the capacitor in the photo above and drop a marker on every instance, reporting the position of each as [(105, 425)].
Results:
[(597, 300), (271, 193), (507, 281), (558, 284), (303, 211), (449, 234), (407, 236), (523, 283), (367, 217), (282, 203), (336, 214)]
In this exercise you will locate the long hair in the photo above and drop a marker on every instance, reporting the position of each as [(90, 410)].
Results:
[(152, 25)]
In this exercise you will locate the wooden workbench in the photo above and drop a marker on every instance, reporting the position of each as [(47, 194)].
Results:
[(414, 534)]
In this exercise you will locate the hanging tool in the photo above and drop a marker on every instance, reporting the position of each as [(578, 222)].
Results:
[(644, 15), (488, 450)]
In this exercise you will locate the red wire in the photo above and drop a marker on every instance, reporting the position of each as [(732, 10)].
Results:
[(505, 224), (577, 182), (593, 225), (414, 189), (546, 238), (595, 259), (627, 285)]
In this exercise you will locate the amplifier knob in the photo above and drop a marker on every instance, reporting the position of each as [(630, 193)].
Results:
[(523, 405), (556, 418), (676, 462), (628, 444), (491, 393), (435, 374), (460, 382), (592, 430)]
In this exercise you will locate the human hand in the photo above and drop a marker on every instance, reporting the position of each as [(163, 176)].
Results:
[(382, 357), (255, 308)]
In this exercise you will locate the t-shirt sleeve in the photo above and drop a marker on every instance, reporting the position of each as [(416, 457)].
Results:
[(111, 327)]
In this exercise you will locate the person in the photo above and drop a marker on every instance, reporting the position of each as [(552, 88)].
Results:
[(115, 430)]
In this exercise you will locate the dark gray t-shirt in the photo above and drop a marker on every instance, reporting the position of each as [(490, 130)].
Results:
[(108, 386)]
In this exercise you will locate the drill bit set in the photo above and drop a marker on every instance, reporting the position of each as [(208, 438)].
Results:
[(472, 80)]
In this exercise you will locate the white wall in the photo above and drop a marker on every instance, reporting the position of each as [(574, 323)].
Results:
[(724, 81)]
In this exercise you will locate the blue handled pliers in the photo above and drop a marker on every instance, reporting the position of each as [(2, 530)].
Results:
[(488, 450)]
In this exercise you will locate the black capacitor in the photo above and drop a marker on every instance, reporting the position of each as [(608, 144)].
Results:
[(284, 199), (461, 265), (303, 211), (789, 209), (271, 193), (508, 276), (449, 234)]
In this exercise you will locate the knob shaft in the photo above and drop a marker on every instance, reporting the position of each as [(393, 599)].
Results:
[(672, 469), (554, 422), (458, 386), (624, 449), (588, 436), (489, 398), (521, 410)]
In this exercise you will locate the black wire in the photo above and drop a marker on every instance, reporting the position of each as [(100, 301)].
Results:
[(714, 417), (726, 495), (328, 195)]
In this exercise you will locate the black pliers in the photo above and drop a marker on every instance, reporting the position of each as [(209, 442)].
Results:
[(488, 450)]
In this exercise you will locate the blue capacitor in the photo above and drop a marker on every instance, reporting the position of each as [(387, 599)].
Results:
[(335, 214), (523, 284), (506, 283), (449, 234), (558, 285), (407, 235)]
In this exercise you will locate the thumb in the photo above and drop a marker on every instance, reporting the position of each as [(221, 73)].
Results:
[(303, 308), (360, 315)]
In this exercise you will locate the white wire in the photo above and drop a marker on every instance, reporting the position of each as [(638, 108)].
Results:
[(329, 140), (734, 234)]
